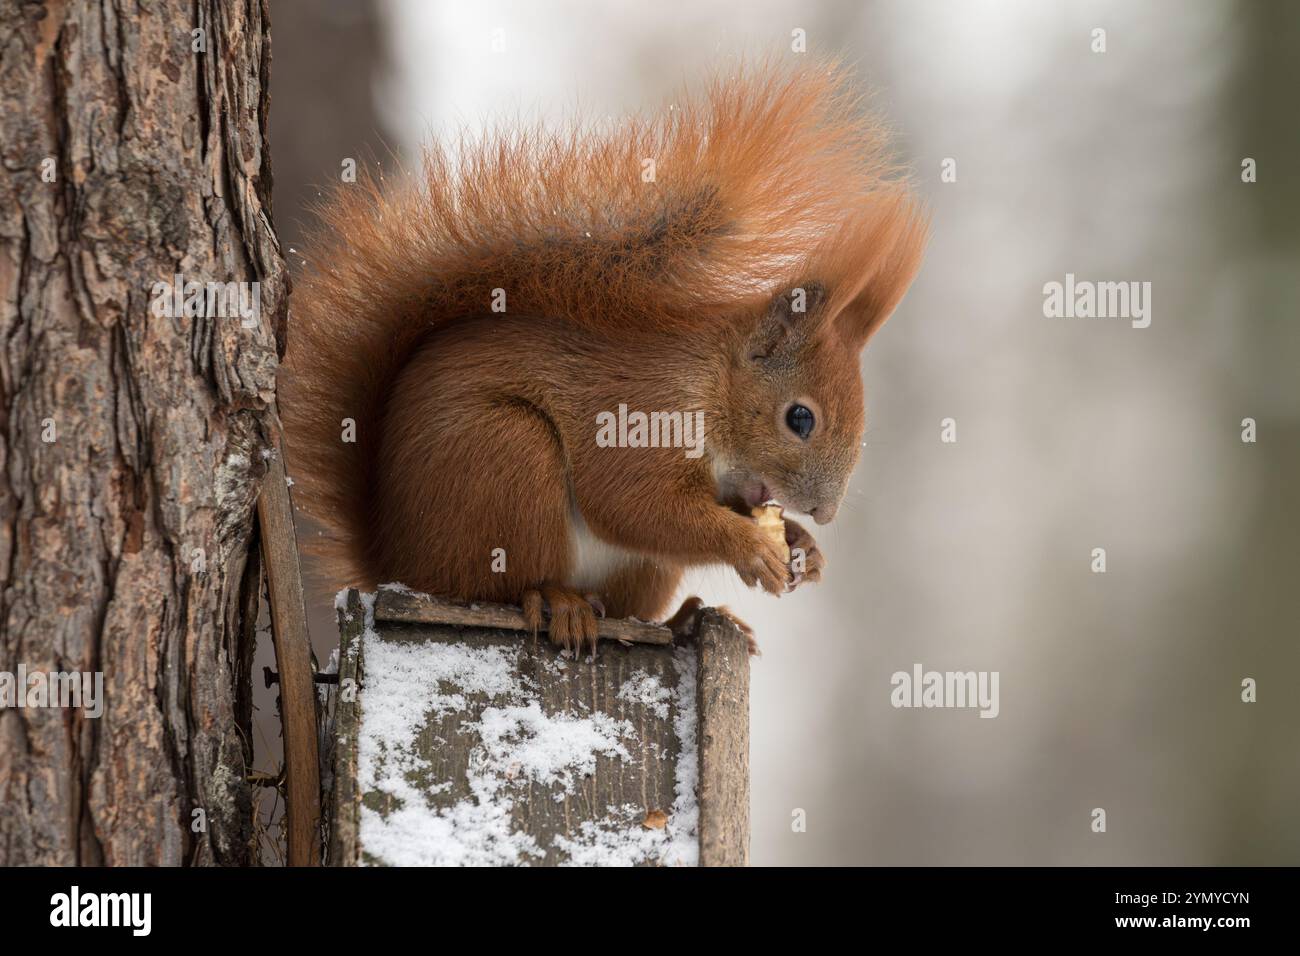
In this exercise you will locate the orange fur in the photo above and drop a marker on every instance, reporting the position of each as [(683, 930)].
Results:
[(476, 430)]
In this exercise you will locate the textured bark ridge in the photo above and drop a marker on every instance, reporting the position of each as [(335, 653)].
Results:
[(131, 444)]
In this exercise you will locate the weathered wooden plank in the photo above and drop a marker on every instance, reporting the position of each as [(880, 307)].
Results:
[(723, 689), (407, 607), (346, 801)]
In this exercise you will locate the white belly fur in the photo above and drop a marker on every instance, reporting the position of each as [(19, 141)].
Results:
[(594, 561)]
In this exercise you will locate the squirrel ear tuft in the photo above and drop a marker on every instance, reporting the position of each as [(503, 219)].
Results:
[(790, 318), (896, 241)]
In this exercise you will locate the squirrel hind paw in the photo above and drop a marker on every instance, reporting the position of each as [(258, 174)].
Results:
[(572, 617), (682, 623)]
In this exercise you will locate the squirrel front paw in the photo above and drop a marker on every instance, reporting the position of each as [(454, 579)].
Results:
[(806, 559), (764, 564), (780, 559)]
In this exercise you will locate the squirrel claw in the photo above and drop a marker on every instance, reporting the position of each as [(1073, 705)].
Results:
[(596, 603)]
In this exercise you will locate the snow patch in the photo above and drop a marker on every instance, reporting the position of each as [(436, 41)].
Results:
[(684, 821), (552, 749), (646, 689), (624, 842)]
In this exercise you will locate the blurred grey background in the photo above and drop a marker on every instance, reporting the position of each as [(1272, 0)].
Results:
[(1119, 690)]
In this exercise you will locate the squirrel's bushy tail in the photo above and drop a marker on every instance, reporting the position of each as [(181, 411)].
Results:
[(704, 208)]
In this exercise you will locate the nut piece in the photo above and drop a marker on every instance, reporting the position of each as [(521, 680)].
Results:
[(655, 820), (772, 524)]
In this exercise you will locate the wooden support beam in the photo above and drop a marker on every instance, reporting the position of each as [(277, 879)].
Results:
[(345, 803), (293, 660), (723, 689)]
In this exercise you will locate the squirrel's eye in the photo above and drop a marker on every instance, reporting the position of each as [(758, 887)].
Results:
[(801, 420)]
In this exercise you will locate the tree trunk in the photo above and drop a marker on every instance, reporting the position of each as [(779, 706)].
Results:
[(131, 443)]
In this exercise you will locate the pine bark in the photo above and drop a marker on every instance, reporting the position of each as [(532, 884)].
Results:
[(127, 542)]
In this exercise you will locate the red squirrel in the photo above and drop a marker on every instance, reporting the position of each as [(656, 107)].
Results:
[(461, 335)]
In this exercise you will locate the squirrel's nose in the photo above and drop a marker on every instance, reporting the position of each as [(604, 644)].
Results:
[(824, 512)]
